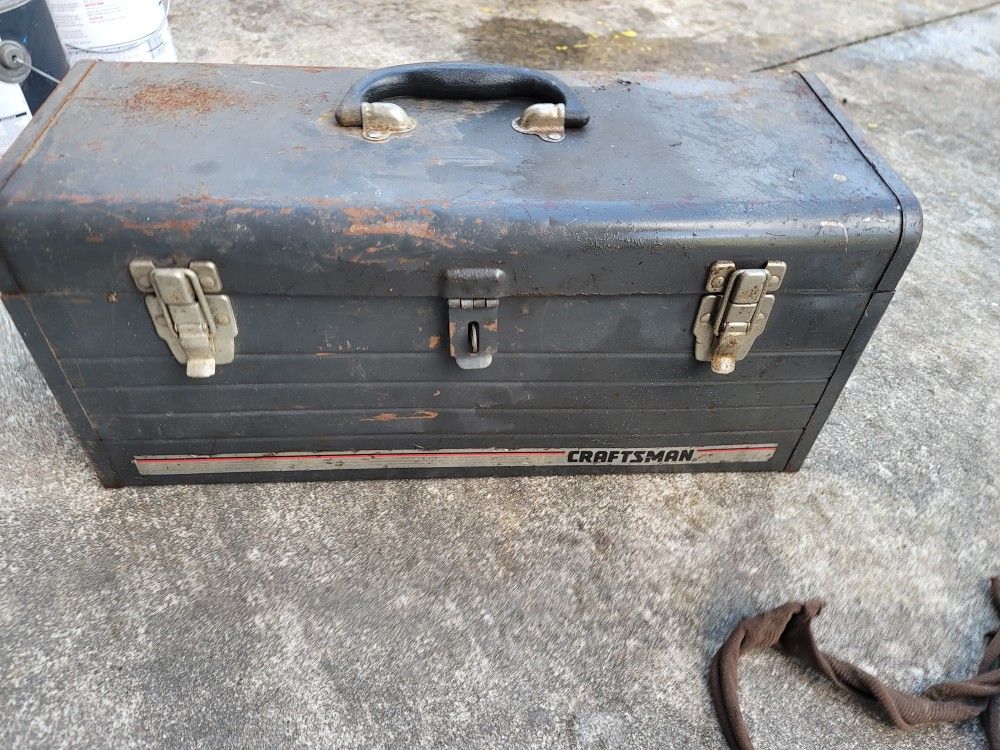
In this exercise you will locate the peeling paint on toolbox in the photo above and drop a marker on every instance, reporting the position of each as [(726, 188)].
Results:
[(594, 256), (352, 460)]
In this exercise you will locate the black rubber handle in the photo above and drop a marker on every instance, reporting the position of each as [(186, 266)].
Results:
[(459, 80)]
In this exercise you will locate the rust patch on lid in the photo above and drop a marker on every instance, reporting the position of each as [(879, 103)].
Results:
[(169, 98), (391, 224), (151, 228)]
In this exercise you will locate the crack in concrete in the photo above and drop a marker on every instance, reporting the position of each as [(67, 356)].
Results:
[(872, 37)]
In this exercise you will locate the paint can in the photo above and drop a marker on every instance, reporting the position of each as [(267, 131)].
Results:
[(31, 63), (119, 30)]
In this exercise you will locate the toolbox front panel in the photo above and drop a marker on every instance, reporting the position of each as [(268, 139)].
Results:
[(326, 373), (91, 326)]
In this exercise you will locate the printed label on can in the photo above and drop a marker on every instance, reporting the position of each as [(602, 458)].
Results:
[(121, 30), (458, 458), (14, 114)]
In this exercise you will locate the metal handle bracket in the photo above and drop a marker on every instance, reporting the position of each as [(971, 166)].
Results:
[(364, 103)]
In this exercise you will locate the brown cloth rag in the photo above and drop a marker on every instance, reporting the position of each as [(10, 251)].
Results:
[(789, 627)]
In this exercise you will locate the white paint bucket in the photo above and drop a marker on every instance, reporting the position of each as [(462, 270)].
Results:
[(14, 114), (27, 32), (121, 30)]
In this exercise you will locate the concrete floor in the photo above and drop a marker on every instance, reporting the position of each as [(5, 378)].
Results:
[(574, 612)]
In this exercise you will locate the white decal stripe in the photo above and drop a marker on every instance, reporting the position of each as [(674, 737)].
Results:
[(368, 460)]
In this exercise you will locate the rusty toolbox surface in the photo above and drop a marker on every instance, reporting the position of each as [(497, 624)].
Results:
[(346, 264)]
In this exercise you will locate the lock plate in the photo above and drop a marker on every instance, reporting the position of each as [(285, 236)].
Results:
[(473, 296), (472, 331), (731, 319), (197, 323)]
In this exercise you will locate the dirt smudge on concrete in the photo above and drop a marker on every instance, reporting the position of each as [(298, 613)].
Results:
[(550, 45)]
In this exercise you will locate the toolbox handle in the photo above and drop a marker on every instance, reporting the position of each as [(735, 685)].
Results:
[(459, 80)]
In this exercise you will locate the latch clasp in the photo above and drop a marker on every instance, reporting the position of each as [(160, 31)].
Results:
[(196, 322), (473, 296), (731, 319)]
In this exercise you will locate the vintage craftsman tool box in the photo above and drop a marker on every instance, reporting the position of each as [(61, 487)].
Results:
[(236, 273)]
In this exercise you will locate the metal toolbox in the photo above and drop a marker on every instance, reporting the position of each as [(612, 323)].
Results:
[(236, 273)]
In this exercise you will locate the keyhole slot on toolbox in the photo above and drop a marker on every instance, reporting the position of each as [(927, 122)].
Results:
[(474, 338)]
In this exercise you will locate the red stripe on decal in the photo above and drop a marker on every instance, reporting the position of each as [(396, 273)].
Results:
[(196, 459), (749, 448)]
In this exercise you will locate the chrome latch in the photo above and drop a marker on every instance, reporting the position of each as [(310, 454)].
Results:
[(732, 318), (189, 314), (473, 296)]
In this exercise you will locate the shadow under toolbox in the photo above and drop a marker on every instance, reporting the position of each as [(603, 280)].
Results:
[(236, 273)]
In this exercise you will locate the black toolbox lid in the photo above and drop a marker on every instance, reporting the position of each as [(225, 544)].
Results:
[(244, 166)]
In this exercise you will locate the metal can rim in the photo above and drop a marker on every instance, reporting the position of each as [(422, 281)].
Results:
[(6, 5)]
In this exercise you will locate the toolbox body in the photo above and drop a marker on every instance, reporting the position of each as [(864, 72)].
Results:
[(460, 286)]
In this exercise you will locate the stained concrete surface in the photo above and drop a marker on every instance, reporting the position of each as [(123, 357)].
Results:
[(575, 612)]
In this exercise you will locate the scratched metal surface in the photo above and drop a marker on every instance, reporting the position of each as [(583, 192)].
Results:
[(242, 165), (570, 369)]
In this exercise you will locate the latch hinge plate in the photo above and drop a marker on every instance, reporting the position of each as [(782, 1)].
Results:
[(731, 319), (473, 296), (196, 321), (472, 331)]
